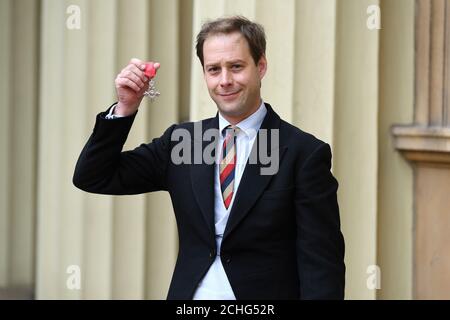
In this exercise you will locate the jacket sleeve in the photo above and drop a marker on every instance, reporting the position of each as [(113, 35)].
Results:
[(320, 243), (103, 168)]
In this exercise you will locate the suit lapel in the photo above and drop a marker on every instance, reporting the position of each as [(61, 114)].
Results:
[(202, 178), (253, 183)]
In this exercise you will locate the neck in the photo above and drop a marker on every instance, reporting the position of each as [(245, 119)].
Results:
[(235, 120)]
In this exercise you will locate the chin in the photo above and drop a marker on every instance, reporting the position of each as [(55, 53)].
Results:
[(232, 110)]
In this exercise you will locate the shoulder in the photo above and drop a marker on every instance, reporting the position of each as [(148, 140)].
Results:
[(191, 125), (311, 155), (299, 140), (186, 131)]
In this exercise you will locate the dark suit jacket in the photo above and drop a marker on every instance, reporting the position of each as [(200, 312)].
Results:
[(282, 239)]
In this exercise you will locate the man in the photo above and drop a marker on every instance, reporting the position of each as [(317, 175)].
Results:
[(243, 233)]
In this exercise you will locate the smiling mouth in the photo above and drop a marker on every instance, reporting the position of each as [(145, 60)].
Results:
[(228, 94)]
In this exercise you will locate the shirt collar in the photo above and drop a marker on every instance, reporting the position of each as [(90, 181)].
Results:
[(249, 125)]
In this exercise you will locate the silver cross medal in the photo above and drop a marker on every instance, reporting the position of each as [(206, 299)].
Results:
[(150, 72)]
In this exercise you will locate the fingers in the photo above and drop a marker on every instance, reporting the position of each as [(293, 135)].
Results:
[(133, 76), (141, 64), (125, 82), (137, 62)]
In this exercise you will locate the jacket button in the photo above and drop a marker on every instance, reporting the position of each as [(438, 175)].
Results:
[(212, 254)]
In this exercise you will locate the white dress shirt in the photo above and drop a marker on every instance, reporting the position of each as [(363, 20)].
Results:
[(215, 284)]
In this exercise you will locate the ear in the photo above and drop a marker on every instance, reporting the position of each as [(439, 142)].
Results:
[(262, 66)]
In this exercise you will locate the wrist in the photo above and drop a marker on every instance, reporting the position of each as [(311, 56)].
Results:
[(124, 111)]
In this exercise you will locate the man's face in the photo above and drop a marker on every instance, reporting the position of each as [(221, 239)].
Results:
[(231, 75)]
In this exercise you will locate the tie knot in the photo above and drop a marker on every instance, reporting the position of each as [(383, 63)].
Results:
[(230, 130)]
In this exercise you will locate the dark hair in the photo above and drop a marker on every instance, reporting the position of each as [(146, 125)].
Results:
[(253, 33)]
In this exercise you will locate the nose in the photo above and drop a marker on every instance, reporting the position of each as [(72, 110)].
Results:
[(225, 78)]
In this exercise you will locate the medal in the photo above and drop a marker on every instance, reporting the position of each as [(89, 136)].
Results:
[(150, 72)]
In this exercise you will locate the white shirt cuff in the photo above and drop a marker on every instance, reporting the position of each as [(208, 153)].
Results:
[(110, 115)]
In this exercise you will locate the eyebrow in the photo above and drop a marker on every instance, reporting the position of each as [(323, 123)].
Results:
[(213, 64)]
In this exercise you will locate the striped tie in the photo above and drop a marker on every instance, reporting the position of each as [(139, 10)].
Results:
[(228, 164)]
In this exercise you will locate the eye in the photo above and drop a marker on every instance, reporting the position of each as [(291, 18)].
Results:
[(213, 69), (236, 66)]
